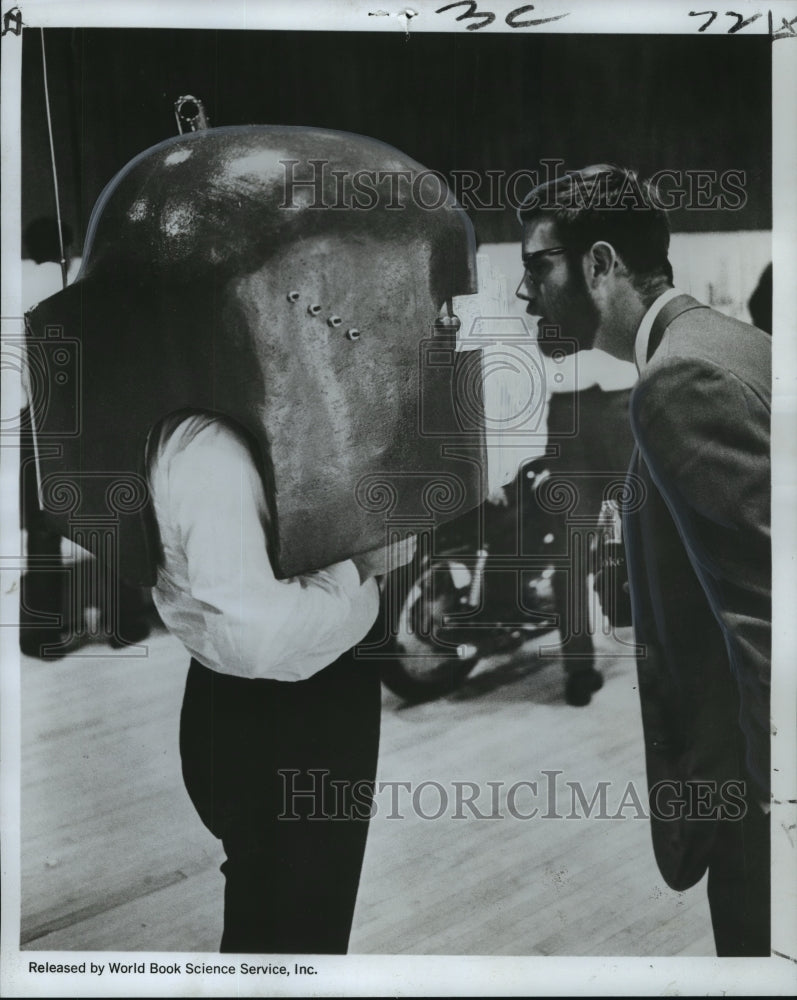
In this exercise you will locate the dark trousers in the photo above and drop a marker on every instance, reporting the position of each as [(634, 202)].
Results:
[(283, 774), (739, 886)]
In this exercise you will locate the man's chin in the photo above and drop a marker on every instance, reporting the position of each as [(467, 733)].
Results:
[(547, 329), (550, 338)]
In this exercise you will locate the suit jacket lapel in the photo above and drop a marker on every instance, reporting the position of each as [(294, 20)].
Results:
[(669, 311)]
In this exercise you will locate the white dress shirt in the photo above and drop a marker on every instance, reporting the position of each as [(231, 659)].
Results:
[(216, 590)]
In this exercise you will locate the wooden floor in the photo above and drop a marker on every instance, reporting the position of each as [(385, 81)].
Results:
[(114, 857)]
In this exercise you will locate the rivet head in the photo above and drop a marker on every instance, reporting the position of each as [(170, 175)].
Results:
[(334, 321), (352, 333), (314, 309), (293, 296)]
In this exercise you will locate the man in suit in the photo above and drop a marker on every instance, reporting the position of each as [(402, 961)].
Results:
[(595, 253)]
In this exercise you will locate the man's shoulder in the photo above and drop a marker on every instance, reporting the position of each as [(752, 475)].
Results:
[(708, 319), (206, 453), (669, 382), (703, 341), (198, 434)]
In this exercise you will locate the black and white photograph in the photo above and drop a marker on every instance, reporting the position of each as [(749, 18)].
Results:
[(398, 499)]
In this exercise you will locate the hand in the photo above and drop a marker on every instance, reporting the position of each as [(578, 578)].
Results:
[(381, 561)]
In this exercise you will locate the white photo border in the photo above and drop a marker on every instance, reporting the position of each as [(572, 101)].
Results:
[(358, 975)]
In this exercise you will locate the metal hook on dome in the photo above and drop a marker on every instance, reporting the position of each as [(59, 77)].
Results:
[(190, 114)]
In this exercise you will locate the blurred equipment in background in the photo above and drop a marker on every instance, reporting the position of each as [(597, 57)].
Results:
[(760, 302), (479, 585), (591, 432), (611, 569), (520, 564)]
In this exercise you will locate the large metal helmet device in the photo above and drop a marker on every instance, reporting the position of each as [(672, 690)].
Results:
[(298, 282)]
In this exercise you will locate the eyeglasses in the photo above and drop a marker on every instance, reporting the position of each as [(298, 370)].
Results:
[(531, 260)]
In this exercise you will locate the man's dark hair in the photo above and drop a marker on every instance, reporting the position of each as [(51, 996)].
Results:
[(605, 202)]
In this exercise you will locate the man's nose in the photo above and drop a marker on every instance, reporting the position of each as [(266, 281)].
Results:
[(522, 291)]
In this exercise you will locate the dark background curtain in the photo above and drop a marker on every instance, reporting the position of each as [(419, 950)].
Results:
[(451, 101)]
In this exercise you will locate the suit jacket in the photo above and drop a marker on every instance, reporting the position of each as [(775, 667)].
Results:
[(698, 549)]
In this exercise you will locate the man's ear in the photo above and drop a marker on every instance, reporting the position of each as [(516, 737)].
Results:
[(602, 260)]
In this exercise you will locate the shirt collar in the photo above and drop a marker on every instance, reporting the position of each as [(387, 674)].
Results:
[(646, 327)]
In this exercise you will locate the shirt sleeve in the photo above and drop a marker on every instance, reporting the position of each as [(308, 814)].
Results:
[(259, 626)]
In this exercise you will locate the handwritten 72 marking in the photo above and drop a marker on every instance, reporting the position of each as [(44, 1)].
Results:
[(741, 22), (786, 30)]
